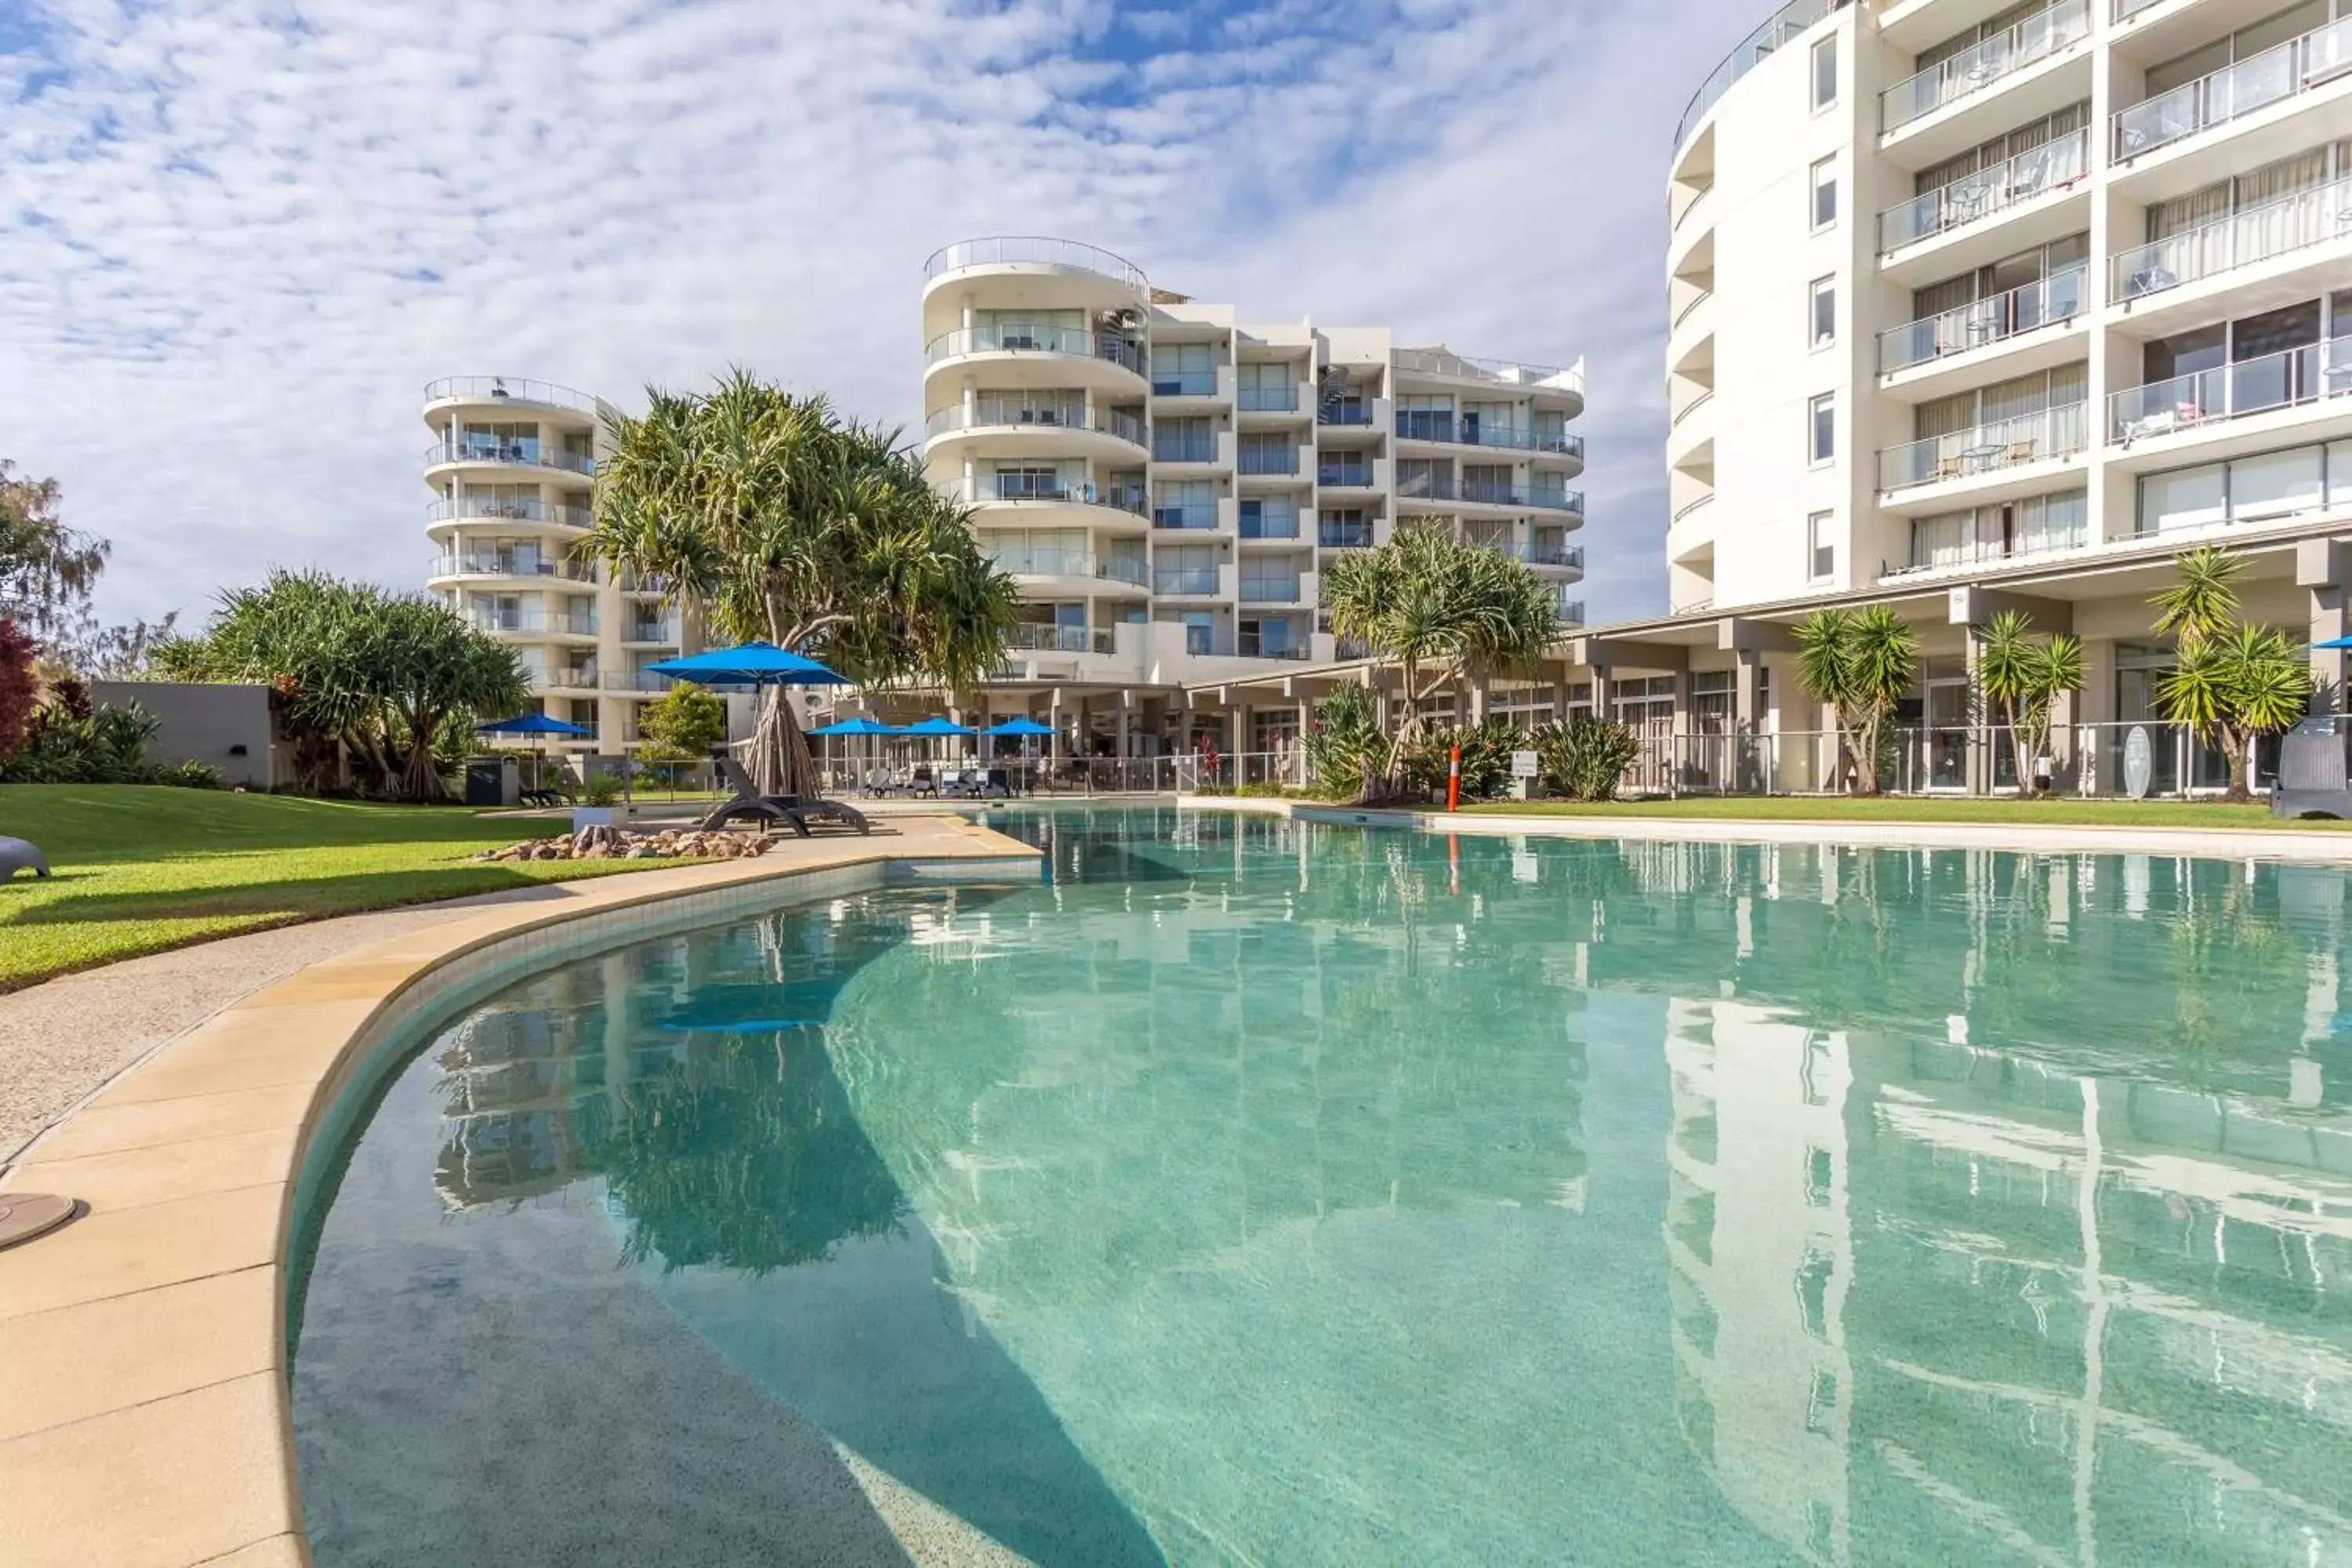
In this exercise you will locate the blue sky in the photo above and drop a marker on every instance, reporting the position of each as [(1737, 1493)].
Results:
[(237, 237)]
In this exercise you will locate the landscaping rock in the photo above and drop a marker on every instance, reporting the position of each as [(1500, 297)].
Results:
[(603, 842)]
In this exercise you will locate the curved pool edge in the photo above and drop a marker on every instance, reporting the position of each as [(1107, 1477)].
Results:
[(2293, 846), (145, 1414)]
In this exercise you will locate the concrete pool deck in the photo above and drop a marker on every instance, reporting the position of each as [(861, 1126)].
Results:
[(144, 1409)]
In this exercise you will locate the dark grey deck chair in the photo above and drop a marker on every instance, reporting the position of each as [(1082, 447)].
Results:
[(794, 811)]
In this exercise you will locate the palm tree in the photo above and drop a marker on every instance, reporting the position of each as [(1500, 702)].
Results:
[(2025, 676), (1441, 609), (1860, 662), (2204, 601), (771, 518), (2233, 684)]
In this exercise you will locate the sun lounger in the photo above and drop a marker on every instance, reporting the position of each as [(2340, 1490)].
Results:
[(16, 855), (793, 811)]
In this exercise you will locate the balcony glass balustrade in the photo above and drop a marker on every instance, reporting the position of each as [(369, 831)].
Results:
[(1350, 414), (1127, 569), (1987, 191), (1035, 250), (1358, 475), (1267, 590), (1069, 342), (1039, 638), (501, 388), (1783, 27), (485, 565), (1268, 399), (1343, 536), (1269, 525), (1043, 560), (2057, 298), (509, 509), (1183, 382), (2245, 238), (1190, 446), (2299, 65), (1192, 515), (2034, 437), (990, 413), (2315, 372), (520, 452), (635, 680), (1184, 580), (1973, 69), (1282, 459)]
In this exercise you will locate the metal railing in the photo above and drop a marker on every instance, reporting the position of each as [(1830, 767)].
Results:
[(1690, 507), (1358, 476), (1035, 250), (1979, 553), (1067, 342), (1183, 382), (2308, 374), (513, 566), (1783, 27), (484, 509), (1167, 448), (2037, 38), (499, 389), (571, 677), (1693, 406), (1570, 611), (1127, 569), (523, 454), (648, 631), (1042, 561), (2125, 10), (1194, 516), (1343, 536), (2003, 444), (1271, 590), (1345, 415), (2057, 298), (1987, 191), (1038, 637), (2256, 234), (1282, 459), (1267, 400), (1498, 372), (1184, 580), (634, 681), (990, 415), (1266, 525), (2296, 66)]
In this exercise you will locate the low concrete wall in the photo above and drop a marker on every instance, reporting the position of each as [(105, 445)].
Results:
[(226, 726)]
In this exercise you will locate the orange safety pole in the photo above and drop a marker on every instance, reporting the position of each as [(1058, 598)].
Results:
[(1454, 779)]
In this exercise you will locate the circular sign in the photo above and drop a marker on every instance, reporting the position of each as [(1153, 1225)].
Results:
[(2139, 762)]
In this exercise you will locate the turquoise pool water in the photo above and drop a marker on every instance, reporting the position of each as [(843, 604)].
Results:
[(1262, 1194)]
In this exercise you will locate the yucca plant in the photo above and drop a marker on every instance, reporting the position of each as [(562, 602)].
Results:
[(2203, 601), (1860, 662), (2231, 684), (2024, 677)]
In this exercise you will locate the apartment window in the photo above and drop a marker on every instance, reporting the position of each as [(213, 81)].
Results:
[(1183, 370), (1824, 311), (1821, 548), (2262, 488), (1821, 429), (1825, 209), (1825, 86)]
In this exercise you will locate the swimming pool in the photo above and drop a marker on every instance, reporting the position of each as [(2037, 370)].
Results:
[(1259, 1191)]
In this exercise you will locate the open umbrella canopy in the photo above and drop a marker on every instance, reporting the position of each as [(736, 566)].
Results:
[(1019, 727), (937, 726), (530, 724), (751, 664), (864, 725), (2334, 642)]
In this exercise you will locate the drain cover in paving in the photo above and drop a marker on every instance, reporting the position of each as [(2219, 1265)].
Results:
[(24, 1215)]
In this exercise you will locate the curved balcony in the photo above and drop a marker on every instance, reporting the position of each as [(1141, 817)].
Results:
[(1124, 507), (1690, 436), (525, 570), (1422, 487), (1692, 530), (1555, 448), (1042, 357), (1034, 253), (507, 454), (508, 513), (1784, 26), (508, 391), (1545, 381), (1014, 429)]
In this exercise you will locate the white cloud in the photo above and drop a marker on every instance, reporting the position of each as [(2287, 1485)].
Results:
[(237, 236)]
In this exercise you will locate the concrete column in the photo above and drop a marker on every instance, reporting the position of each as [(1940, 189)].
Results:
[(1979, 764), (1603, 678), (1559, 697), (1478, 698), (1298, 747), (2321, 566), (968, 313), (1748, 718)]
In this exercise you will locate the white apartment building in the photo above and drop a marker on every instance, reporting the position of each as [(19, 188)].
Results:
[(1166, 484), (511, 467)]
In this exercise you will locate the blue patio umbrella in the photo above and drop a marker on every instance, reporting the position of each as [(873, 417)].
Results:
[(530, 724), (757, 665), (2334, 642), (939, 727), (1025, 727), (864, 725)]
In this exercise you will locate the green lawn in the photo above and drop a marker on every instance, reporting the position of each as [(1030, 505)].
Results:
[(143, 869), (2061, 812)]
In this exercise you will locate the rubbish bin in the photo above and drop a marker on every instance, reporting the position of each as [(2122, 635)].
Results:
[(491, 781)]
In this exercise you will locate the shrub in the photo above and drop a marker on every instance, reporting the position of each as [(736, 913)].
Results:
[(1346, 747), (1585, 758), (18, 686), (1486, 747), (682, 725), (602, 788), (68, 741)]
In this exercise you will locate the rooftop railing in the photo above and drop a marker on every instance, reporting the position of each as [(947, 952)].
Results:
[(1035, 250), (2299, 65), (2010, 50), (2289, 379), (517, 509), (2057, 298), (2048, 433), (988, 415), (1501, 371), (1987, 191), (1783, 27), (1069, 342), (519, 389), (2256, 234)]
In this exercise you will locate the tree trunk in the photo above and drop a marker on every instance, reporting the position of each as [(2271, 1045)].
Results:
[(2233, 750), (779, 761), (1865, 760)]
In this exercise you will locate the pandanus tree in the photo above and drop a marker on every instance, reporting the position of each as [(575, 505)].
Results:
[(2023, 676), (770, 518), (1440, 608), (1860, 662)]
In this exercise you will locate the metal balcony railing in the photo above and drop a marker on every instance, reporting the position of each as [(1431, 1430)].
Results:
[(503, 449), (1268, 400), (1783, 27), (1343, 536), (2254, 235), (1973, 69), (1987, 191), (991, 414), (500, 388), (1035, 250), (2058, 432), (2057, 298), (1184, 515), (510, 510), (1184, 580), (2311, 374), (2299, 65), (1067, 342)]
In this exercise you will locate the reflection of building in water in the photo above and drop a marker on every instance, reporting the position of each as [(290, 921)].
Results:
[(1757, 1236)]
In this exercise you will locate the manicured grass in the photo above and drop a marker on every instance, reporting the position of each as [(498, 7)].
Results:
[(141, 869), (2061, 812)]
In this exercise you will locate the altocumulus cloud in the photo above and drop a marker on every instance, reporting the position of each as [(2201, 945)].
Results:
[(237, 236)]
